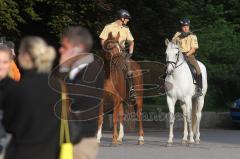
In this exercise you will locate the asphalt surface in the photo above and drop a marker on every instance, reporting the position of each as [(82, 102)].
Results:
[(215, 144)]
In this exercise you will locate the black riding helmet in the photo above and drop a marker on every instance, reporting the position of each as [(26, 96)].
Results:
[(185, 21), (122, 13)]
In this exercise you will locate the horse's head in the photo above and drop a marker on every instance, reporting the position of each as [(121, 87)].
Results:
[(112, 45), (173, 53)]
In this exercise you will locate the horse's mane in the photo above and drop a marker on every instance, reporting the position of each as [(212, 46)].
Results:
[(113, 61), (175, 42)]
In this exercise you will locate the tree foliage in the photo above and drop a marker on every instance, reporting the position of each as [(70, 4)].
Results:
[(215, 22)]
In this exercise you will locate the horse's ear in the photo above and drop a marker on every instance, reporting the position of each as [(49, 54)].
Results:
[(118, 36), (166, 42), (110, 36)]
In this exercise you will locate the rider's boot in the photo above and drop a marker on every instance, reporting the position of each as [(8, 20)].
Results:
[(132, 92), (199, 85)]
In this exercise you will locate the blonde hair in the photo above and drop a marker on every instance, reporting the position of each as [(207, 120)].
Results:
[(42, 55)]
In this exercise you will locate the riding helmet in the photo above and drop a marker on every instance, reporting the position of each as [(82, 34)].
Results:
[(185, 21), (122, 13)]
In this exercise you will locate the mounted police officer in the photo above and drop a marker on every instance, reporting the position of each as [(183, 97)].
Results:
[(125, 39), (120, 26), (189, 44)]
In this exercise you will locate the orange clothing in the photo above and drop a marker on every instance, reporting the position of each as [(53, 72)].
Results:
[(14, 72)]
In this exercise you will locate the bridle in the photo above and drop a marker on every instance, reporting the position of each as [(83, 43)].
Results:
[(174, 63)]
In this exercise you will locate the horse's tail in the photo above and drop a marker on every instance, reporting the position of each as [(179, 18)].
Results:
[(194, 116)]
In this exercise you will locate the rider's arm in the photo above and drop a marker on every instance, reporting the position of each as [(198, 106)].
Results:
[(104, 34), (191, 52), (131, 47), (130, 39), (194, 45)]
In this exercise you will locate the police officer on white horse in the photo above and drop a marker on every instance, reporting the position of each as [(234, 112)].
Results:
[(189, 45)]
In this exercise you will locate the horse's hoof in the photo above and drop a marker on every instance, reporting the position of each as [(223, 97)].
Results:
[(119, 142), (169, 144), (191, 143), (197, 142), (184, 142), (140, 142), (114, 144), (98, 141)]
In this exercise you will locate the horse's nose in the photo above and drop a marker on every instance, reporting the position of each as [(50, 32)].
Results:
[(169, 68)]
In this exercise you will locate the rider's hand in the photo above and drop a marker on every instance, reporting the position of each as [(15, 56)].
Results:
[(129, 55)]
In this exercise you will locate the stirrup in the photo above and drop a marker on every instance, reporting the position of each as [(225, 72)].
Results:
[(132, 94)]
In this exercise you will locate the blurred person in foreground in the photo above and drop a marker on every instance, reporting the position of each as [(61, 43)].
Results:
[(14, 72), (84, 69), (28, 107), (5, 84)]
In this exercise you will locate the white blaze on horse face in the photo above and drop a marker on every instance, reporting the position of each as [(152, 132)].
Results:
[(171, 57)]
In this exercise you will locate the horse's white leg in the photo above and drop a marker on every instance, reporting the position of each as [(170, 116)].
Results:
[(188, 102), (200, 104), (121, 127), (100, 123), (99, 133), (121, 133), (185, 134), (171, 106)]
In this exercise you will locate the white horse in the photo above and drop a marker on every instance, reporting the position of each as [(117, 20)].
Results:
[(183, 89)]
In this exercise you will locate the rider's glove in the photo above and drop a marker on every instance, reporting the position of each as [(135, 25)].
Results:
[(129, 55)]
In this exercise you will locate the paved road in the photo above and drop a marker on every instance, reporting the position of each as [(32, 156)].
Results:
[(215, 144)]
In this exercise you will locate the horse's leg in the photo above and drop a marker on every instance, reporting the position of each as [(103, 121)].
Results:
[(200, 103), (139, 115), (121, 127), (171, 106), (115, 119), (100, 123), (138, 86), (185, 135), (188, 102)]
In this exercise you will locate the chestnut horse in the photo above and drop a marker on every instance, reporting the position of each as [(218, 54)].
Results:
[(116, 82)]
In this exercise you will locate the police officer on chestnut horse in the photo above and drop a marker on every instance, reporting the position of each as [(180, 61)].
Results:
[(120, 26)]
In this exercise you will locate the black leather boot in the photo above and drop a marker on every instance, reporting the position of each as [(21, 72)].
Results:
[(199, 85), (132, 92)]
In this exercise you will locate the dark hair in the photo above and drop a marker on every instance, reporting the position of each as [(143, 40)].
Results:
[(10, 44), (79, 35), (5, 48)]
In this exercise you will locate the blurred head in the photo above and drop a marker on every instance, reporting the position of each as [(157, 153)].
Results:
[(5, 60), (185, 23), (76, 38), (35, 54)]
